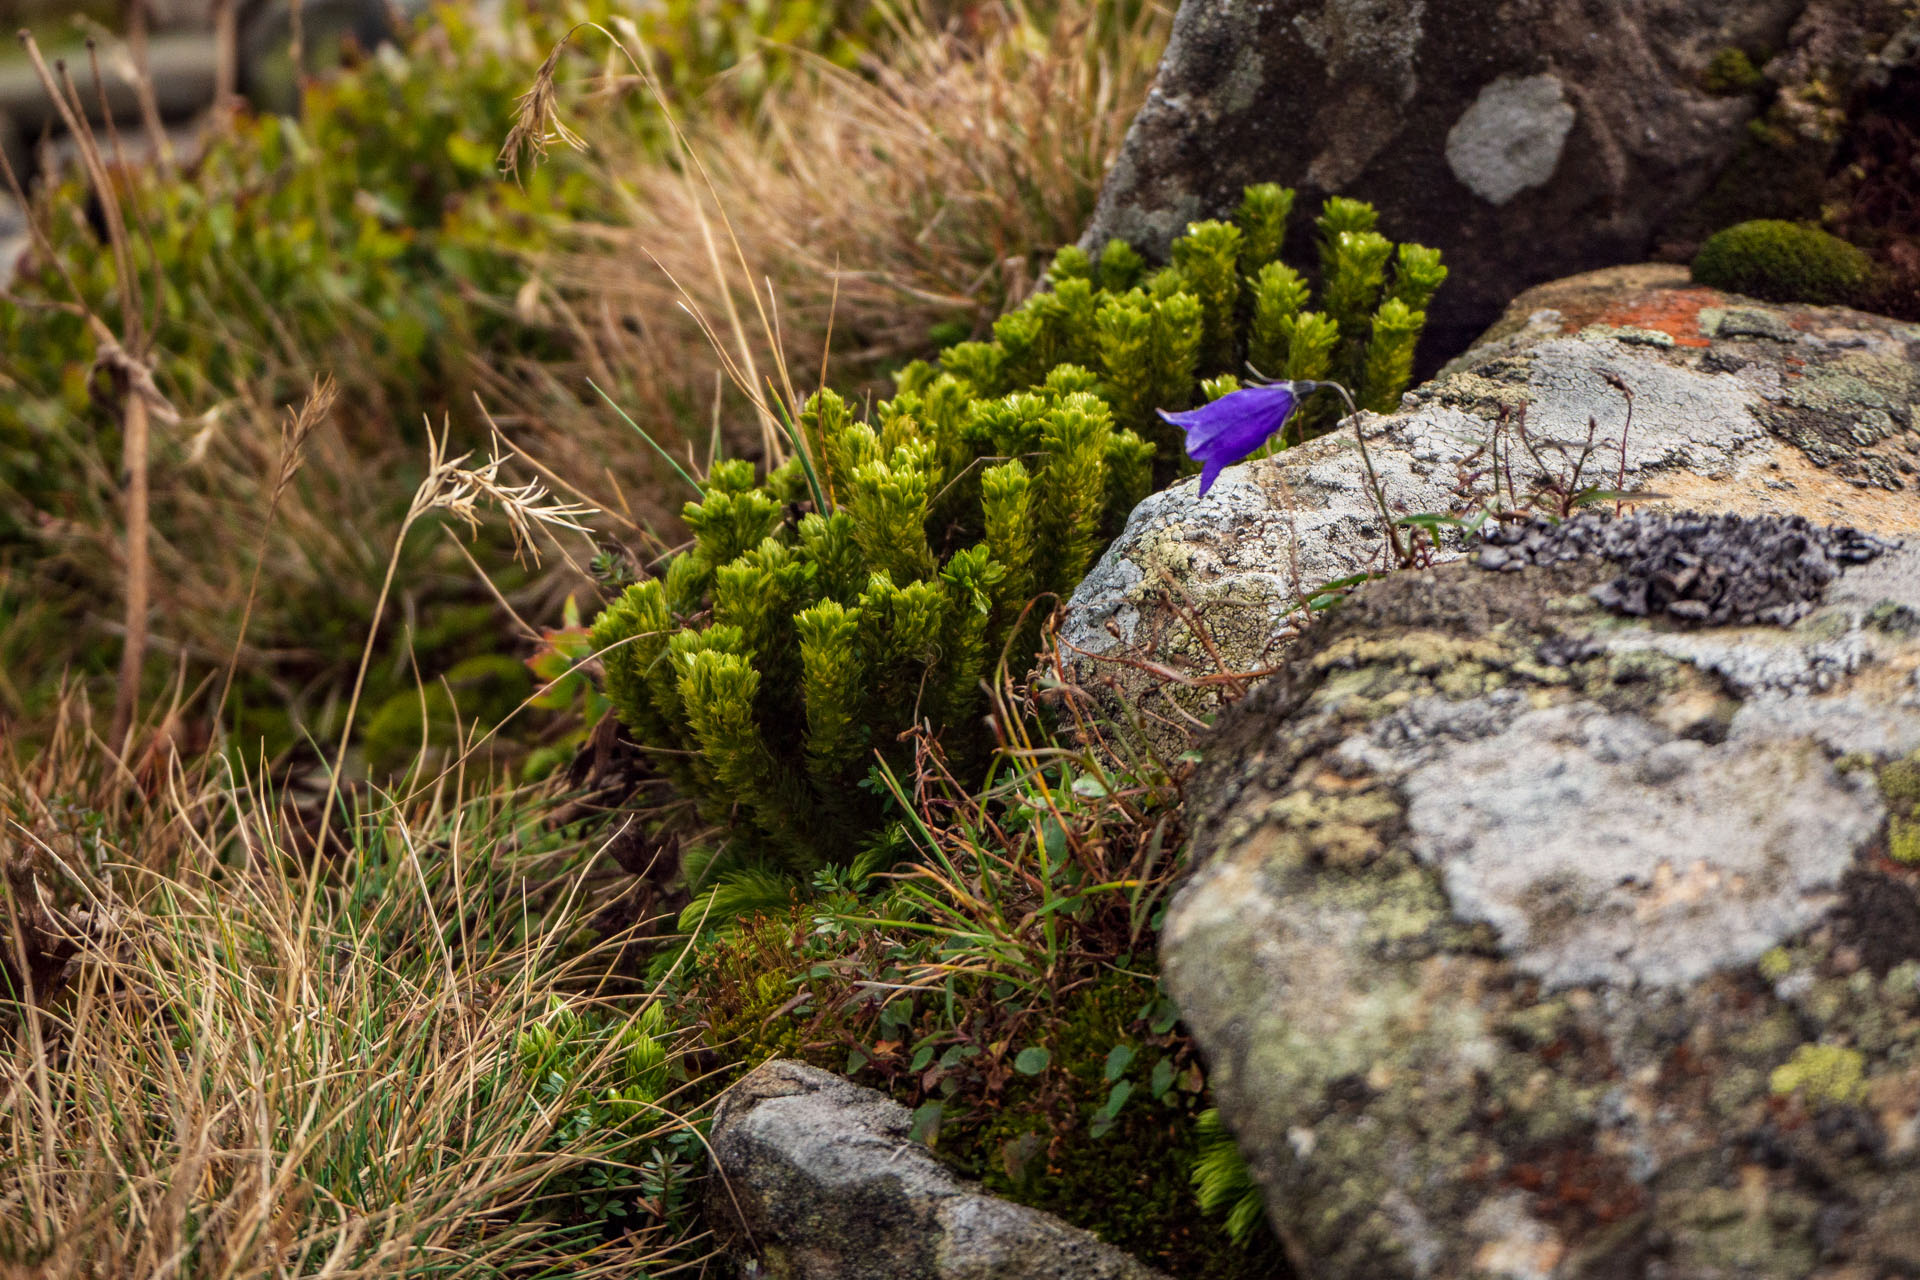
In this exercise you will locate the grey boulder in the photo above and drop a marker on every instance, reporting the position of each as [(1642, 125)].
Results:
[(1737, 406), (1541, 929), (1528, 139), (821, 1182)]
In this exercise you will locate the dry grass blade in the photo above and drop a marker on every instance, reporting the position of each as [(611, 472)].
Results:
[(460, 490), (537, 123), (452, 486), (293, 443)]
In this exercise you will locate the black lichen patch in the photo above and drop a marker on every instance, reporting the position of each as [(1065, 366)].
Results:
[(1707, 570), (1880, 919)]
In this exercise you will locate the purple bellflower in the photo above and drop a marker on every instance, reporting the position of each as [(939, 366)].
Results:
[(1236, 424)]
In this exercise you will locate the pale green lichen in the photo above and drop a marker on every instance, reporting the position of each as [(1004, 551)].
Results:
[(1822, 1072), (1776, 964), (1900, 786), (1367, 1051)]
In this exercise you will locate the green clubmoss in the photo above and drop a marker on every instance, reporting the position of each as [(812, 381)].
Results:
[(991, 478), (1783, 262)]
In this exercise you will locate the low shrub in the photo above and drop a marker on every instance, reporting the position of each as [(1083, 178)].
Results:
[(867, 586), (1783, 262), (372, 237), (1001, 984)]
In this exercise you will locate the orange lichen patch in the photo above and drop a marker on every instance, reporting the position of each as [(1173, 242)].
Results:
[(1674, 312), (1581, 300)]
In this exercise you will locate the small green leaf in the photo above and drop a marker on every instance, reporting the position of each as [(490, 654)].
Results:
[(1032, 1060), (1431, 521), (958, 1054), (922, 1056), (1119, 1058), (1162, 1079), (1053, 839), (926, 1123)]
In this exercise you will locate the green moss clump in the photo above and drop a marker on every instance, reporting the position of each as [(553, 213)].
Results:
[(1783, 262), (470, 699), (1132, 1185)]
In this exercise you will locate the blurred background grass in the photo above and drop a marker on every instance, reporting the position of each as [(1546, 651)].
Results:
[(894, 176)]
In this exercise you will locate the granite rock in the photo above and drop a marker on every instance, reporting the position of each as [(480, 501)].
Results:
[(821, 1182), (1532, 938), (1528, 139), (1737, 406)]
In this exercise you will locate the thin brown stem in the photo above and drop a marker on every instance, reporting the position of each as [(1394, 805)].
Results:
[(293, 439), (1403, 558), (137, 22), (133, 653), (226, 56)]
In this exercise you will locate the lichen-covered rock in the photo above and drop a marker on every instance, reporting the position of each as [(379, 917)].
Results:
[(1531, 938), (1526, 138), (1738, 406), (823, 1183)]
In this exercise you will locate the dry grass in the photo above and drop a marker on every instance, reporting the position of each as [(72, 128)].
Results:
[(868, 213), (230, 1061)]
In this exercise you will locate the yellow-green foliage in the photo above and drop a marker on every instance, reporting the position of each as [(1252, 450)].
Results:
[(1822, 1072), (373, 238), (752, 40), (1732, 72), (870, 586), (1221, 1180), (1783, 262)]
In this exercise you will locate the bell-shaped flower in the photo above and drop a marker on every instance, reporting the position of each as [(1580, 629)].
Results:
[(1235, 425)]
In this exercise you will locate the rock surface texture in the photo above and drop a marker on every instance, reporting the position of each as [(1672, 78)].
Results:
[(825, 1185), (1526, 138), (1542, 930), (1737, 405)]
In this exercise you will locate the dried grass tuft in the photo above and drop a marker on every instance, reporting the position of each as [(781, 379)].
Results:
[(877, 212), (220, 1059)]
